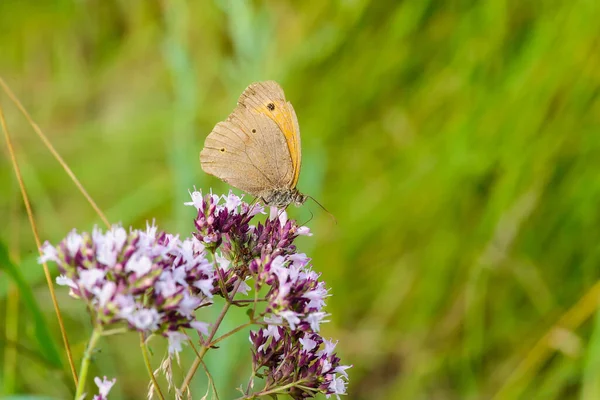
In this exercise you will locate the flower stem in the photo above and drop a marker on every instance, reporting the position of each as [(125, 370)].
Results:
[(206, 346), (148, 365), (279, 389), (251, 301), (250, 381), (231, 332), (85, 362)]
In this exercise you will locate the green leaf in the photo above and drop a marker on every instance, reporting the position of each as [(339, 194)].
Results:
[(590, 385), (47, 346)]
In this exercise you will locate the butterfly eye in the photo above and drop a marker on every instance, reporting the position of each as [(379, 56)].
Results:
[(253, 130), (271, 106), (222, 149)]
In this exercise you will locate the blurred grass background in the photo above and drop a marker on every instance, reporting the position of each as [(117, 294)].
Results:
[(457, 143)]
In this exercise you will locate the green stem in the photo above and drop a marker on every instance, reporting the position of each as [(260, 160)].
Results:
[(239, 302), (116, 331), (255, 300), (85, 362), (280, 389), (247, 393), (207, 344), (231, 332), (146, 357)]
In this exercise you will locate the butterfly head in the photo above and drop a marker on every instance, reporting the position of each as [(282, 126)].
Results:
[(298, 198)]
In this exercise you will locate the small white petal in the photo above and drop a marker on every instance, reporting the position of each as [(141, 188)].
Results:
[(62, 280), (341, 369), (200, 326), (291, 317), (243, 288), (304, 231), (139, 264), (104, 294), (272, 329), (105, 254), (316, 296), (166, 286), (299, 259), (278, 263), (88, 278), (315, 319), (73, 242), (118, 236), (337, 386), (307, 343), (273, 211), (222, 262), (188, 305), (197, 200), (146, 319), (283, 218), (329, 347), (255, 209), (175, 341), (206, 286), (125, 304), (232, 202), (197, 245), (49, 253), (104, 385)]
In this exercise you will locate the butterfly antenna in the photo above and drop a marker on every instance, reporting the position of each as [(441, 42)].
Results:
[(324, 209), (310, 219)]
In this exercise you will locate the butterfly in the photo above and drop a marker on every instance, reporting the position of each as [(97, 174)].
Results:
[(257, 148)]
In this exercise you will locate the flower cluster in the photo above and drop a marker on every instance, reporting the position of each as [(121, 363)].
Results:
[(287, 352), (295, 292), (152, 281), (304, 362)]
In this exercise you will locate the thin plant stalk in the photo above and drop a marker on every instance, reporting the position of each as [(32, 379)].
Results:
[(38, 243), (146, 357), (278, 390), (206, 371), (231, 332), (206, 346), (541, 350), (53, 151), (12, 312), (85, 361)]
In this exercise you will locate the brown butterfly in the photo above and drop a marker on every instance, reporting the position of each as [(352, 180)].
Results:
[(257, 148)]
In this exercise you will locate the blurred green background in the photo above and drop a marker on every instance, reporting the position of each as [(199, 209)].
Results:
[(457, 143)]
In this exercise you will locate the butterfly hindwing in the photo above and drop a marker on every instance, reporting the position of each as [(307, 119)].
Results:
[(267, 98), (249, 152)]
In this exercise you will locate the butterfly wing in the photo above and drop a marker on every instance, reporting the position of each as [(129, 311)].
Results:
[(267, 98), (249, 152)]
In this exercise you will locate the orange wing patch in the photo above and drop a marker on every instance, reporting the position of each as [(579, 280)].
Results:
[(267, 98)]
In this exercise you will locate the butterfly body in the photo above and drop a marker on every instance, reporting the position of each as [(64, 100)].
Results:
[(281, 198), (257, 148)]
